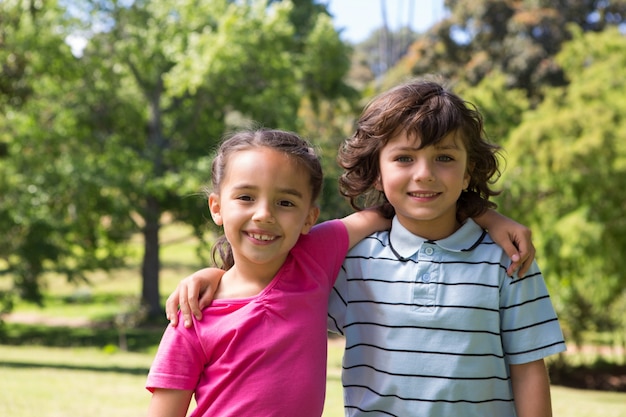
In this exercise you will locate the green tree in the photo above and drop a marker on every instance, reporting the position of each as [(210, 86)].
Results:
[(130, 124), (517, 38), (502, 108), (53, 213), (567, 170)]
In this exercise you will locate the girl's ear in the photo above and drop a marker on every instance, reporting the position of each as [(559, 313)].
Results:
[(215, 208), (311, 219)]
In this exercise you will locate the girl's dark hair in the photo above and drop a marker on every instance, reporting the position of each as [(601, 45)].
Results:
[(427, 111), (292, 145)]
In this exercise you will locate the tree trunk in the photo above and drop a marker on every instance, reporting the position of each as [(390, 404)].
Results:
[(150, 295), (151, 266)]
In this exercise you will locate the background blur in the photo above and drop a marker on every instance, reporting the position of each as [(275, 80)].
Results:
[(110, 111)]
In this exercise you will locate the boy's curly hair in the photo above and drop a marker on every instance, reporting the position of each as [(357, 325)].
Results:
[(427, 111)]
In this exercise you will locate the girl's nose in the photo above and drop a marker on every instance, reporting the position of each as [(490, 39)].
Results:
[(263, 213)]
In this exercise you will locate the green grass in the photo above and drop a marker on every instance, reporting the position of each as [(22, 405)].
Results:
[(59, 382), (568, 402), (102, 297)]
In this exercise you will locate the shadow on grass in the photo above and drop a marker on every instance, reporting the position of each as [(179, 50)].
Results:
[(66, 367), (600, 376), (137, 339)]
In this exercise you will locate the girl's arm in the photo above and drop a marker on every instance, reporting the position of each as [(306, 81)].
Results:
[(169, 403), (198, 289), (513, 237), (531, 389)]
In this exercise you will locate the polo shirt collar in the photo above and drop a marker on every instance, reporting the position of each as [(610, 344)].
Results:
[(406, 244)]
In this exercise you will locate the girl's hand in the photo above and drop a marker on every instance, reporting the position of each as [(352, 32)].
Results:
[(192, 294), (512, 237)]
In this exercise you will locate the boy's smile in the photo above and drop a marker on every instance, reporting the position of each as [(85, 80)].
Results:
[(423, 185)]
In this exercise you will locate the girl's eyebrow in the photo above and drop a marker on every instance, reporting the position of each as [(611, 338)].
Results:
[(289, 191)]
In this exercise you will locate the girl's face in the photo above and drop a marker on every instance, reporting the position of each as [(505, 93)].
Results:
[(423, 185), (264, 205)]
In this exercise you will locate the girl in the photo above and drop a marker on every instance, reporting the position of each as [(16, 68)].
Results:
[(262, 350)]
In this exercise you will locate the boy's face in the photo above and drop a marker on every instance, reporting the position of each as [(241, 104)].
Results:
[(423, 185), (265, 204)]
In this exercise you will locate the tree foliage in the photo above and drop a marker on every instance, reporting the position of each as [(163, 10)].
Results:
[(567, 169), (516, 38), (130, 123), (53, 213)]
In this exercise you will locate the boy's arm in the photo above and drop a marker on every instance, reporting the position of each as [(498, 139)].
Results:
[(187, 295), (531, 389), (513, 237), (169, 403), (363, 223)]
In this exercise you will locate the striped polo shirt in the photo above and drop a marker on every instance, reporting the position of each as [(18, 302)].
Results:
[(432, 326)]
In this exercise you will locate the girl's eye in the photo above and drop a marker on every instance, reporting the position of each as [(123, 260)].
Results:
[(403, 159), (445, 158)]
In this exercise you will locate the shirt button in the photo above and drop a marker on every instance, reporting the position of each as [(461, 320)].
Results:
[(425, 277), (429, 251)]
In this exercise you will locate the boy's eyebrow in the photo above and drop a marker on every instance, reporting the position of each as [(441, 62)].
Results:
[(447, 146), (451, 146)]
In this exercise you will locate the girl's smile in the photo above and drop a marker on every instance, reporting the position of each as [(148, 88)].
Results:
[(262, 237)]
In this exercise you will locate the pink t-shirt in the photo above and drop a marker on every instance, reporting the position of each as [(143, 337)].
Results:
[(264, 355)]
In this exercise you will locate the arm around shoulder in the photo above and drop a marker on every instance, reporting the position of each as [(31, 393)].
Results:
[(193, 293), (363, 223), (511, 236)]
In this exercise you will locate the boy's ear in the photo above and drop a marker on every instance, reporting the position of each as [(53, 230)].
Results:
[(378, 184), (311, 219), (215, 209), (468, 176), (466, 180)]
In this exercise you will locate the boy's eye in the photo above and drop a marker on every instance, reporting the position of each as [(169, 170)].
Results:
[(244, 198)]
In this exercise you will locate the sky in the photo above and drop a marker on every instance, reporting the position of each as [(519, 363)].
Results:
[(358, 18)]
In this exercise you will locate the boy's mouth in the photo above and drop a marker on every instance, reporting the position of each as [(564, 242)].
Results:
[(423, 194)]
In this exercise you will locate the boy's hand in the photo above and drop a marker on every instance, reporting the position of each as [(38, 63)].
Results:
[(192, 294)]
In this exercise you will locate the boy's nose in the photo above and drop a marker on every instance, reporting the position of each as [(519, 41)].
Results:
[(423, 171)]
